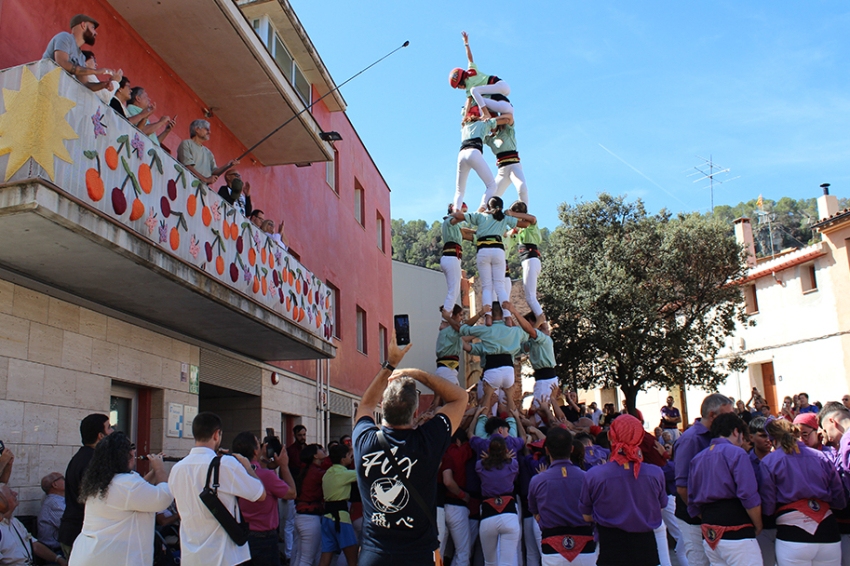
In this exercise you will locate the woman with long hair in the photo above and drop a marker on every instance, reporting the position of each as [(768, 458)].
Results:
[(490, 256), (309, 506), (801, 487), (121, 506), (499, 528)]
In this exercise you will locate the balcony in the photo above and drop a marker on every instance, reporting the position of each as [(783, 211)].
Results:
[(247, 90), (90, 205)]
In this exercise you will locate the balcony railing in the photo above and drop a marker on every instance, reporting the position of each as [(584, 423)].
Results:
[(54, 129)]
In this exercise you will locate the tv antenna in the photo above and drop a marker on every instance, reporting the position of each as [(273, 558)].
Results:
[(711, 170)]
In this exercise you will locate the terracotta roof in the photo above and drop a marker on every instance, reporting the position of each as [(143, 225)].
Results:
[(784, 262), (837, 217)]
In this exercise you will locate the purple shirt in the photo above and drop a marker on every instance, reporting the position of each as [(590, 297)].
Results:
[(723, 471), (564, 479), (497, 481), (480, 445), (616, 499), (842, 460), (595, 455), (692, 442), (671, 412), (786, 478)]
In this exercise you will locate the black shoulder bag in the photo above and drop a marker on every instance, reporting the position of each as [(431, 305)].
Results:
[(402, 477), (237, 532)]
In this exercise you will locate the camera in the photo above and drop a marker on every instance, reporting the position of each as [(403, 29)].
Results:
[(273, 444)]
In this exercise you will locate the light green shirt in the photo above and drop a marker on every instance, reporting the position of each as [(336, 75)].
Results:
[(451, 232), (528, 235), (502, 139), (497, 339), (480, 431), (196, 155), (336, 486), (489, 226), (541, 351), (133, 110), (476, 129), (479, 79), (448, 342)]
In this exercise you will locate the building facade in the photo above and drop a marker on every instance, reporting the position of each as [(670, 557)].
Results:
[(128, 287)]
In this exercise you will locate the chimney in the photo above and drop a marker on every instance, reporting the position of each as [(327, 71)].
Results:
[(827, 203), (744, 236)]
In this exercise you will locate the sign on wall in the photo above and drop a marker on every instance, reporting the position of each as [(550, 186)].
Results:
[(175, 421)]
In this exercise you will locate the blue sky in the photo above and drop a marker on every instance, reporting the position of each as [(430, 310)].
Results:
[(609, 96)]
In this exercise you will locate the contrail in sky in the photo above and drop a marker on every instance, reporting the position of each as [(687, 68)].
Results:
[(629, 165)]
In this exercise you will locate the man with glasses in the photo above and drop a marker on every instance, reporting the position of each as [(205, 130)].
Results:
[(236, 193)]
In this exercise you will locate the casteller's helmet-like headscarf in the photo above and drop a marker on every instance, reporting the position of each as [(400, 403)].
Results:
[(625, 435)]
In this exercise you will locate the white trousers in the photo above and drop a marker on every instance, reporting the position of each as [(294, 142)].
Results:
[(508, 284), (286, 508), (499, 106), (500, 378), (499, 539), (448, 374), (807, 554), (669, 516), (767, 543), (661, 543), (845, 549), (532, 535), (308, 537), (452, 270), (692, 537), (579, 560), (543, 387), (744, 552), (530, 272), (471, 159), (457, 527), (441, 528), (511, 173), (491, 269)]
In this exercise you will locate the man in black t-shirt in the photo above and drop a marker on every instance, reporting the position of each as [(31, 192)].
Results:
[(92, 429), (396, 529)]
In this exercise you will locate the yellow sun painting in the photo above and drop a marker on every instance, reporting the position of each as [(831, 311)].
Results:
[(34, 124)]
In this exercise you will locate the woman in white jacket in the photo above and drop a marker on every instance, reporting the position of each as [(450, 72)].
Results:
[(121, 506)]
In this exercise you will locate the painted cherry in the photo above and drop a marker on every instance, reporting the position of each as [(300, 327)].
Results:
[(239, 245), (172, 189), (208, 250), (119, 201), (165, 207), (234, 272)]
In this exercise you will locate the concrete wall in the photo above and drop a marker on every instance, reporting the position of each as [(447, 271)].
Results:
[(57, 364)]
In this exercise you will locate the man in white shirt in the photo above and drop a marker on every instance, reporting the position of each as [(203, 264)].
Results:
[(203, 541), (17, 546)]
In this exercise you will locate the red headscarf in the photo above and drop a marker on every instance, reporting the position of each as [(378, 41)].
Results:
[(625, 436)]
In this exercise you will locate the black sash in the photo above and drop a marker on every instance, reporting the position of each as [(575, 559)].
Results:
[(498, 361), (507, 158), (544, 373), (620, 548), (474, 143), (527, 251), (334, 507)]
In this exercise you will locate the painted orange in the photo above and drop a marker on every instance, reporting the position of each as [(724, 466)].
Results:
[(174, 238), (94, 185), (206, 215), (225, 229), (145, 178), (138, 210), (111, 157), (219, 265), (252, 256), (234, 231), (192, 205)]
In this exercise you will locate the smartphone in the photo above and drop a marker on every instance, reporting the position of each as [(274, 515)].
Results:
[(402, 329), (269, 447)]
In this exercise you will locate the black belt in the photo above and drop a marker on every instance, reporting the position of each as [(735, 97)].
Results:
[(568, 538), (729, 513), (263, 534), (642, 549), (474, 143), (453, 249), (489, 242), (498, 361), (526, 251), (507, 158), (544, 373)]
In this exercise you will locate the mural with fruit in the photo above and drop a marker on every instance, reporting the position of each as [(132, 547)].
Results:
[(154, 196)]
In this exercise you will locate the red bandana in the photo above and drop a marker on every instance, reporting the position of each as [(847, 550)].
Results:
[(625, 436)]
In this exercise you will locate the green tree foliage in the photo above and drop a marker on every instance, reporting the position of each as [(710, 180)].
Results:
[(417, 243), (790, 221), (637, 300)]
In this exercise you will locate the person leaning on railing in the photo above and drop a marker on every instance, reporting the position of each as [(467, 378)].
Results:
[(66, 50), (197, 158), (141, 104)]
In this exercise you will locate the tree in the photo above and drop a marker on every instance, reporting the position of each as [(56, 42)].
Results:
[(640, 301)]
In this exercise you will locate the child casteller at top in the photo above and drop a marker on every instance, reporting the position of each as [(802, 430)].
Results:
[(489, 91)]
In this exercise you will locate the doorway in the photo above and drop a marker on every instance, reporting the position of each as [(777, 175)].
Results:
[(769, 384)]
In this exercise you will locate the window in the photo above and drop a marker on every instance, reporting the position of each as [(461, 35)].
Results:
[(268, 35), (380, 229), (382, 342), (361, 331), (751, 299), (810, 280), (359, 203), (337, 312), (330, 172)]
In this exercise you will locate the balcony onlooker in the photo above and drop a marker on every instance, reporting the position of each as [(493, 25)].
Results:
[(52, 508), (140, 104), (104, 90), (197, 158), (279, 237), (121, 97), (66, 48), (237, 193), (257, 217)]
